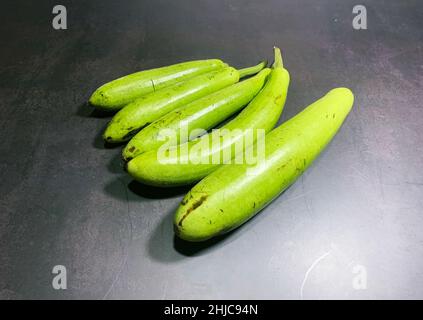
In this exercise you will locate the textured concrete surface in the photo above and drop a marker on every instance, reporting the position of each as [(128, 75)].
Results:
[(64, 199)]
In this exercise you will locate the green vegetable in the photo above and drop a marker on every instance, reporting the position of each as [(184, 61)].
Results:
[(154, 105), (203, 114), (116, 94), (234, 193), (184, 168)]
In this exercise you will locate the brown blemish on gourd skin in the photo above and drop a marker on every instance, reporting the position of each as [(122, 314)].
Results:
[(277, 98), (281, 167), (194, 206)]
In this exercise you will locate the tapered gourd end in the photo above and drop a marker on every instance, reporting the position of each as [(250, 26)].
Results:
[(342, 91), (192, 220), (252, 70), (108, 135), (344, 96), (99, 99), (130, 152), (143, 170), (112, 134), (138, 170), (95, 99), (278, 63)]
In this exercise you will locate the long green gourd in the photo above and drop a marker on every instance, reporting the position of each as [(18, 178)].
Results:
[(183, 168), (234, 193), (116, 94), (204, 114), (154, 105)]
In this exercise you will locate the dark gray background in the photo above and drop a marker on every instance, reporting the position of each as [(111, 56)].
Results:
[(64, 198)]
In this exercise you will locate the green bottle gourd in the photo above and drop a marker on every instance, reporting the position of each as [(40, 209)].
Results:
[(234, 193), (115, 94)]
